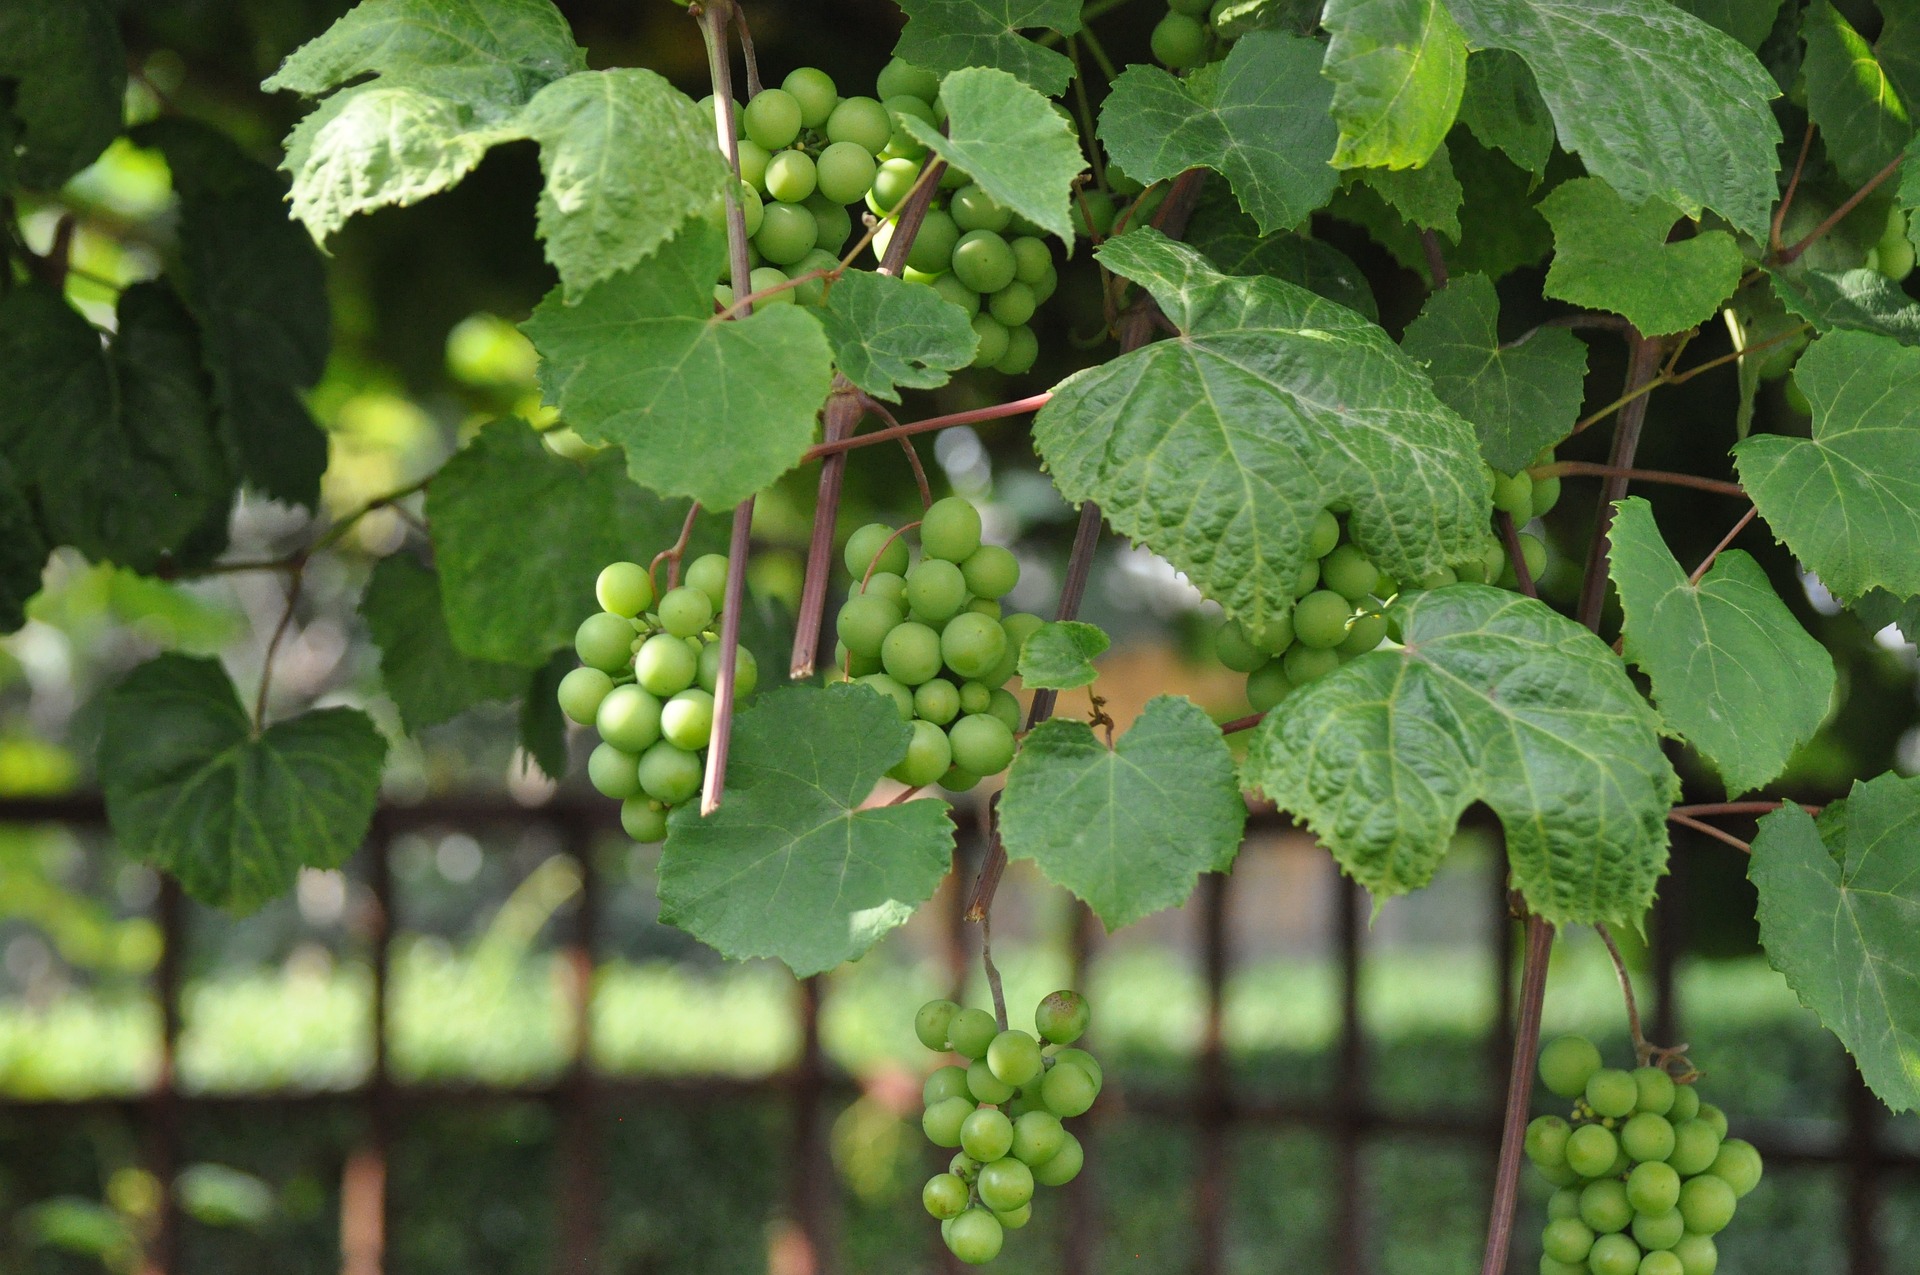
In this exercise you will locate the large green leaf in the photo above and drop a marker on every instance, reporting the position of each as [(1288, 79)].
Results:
[(1856, 300), (519, 535), (1614, 257), (947, 35), (1502, 107), (1839, 908), (1059, 655), (23, 551), (68, 70), (1128, 828), (428, 678), (705, 407), (1877, 609), (790, 866), (1429, 196), (1863, 120), (1747, 21), (1228, 238), (1011, 141), (1493, 698), (543, 727), (1659, 104), (1260, 118), (1218, 450), (191, 788), (1398, 69), (1847, 500), (116, 447), (1520, 398), (887, 334), (1732, 670), (258, 288)]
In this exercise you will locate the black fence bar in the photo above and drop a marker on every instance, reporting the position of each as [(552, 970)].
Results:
[(1350, 1088), (1213, 1098), (579, 1116), (164, 1104)]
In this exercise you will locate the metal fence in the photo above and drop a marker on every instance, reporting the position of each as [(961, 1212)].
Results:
[(1211, 1106)]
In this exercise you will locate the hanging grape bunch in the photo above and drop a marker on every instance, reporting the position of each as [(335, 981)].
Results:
[(1644, 1174), (806, 153), (930, 636), (647, 686), (1003, 1111)]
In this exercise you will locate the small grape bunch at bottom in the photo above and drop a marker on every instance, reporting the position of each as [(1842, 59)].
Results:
[(651, 670), (1644, 1173), (1003, 1111)]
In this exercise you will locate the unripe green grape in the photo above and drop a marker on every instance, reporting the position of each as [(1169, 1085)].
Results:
[(1564, 1202), (1305, 664), (891, 687), (1068, 1090), (581, 693), (1365, 633), (1093, 213), (972, 644), (1567, 1240), (765, 278), (990, 572), (1023, 348), (604, 641), (1548, 1266), (1062, 1017), (746, 670), (928, 756), (1738, 1165), (1658, 1230), (831, 226), (1604, 1205), (686, 720), (1037, 1136), (1653, 1187), (976, 697), (1349, 573), (963, 1166), (1046, 285), (772, 118), (1020, 626), (1307, 581), (753, 210), (1695, 1146), (1614, 1255), (936, 589), (862, 121), (1533, 552), (1014, 1219), (1686, 1105), (613, 772), (973, 209), (1647, 1137), (954, 292), (791, 176), (891, 183), (987, 1135), (1513, 494), (1546, 494), (1698, 1255), (1325, 535), (1006, 1184), (1656, 1093), (665, 665), (975, 1237), (623, 589), (1031, 259), (1179, 41), (1546, 1141), (910, 653), (643, 820), (1896, 258), (1566, 1064), (1591, 1150), (886, 584), (1268, 685), (866, 542), (788, 232), (1005, 709), (945, 1082), (1471, 570), (753, 162), (1715, 1118), (1014, 1057), (1707, 1204), (944, 1196), (1233, 648), (958, 780), (844, 172), (814, 91), (1660, 1264), (629, 719), (1320, 619), (900, 108), (933, 246), (855, 666), (685, 611), (1013, 305), (970, 1031), (937, 701), (669, 774), (864, 622), (983, 261), (950, 530), (1063, 1166), (984, 1086), (994, 341), (708, 574), (942, 1121), (1085, 1062), (981, 743), (1560, 1176), (898, 77)]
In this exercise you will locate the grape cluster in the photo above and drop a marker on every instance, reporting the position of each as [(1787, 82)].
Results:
[(930, 636), (1893, 255), (651, 668), (1003, 1110), (1644, 1174), (806, 153)]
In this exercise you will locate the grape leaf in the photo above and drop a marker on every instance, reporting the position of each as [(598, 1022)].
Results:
[(1011, 141), (1227, 237), (790, 866), (543, 727), (1613, 257), (1854, 300), (115, 446), (950, 35), (1847, 500), (258, 288), (190, 787), (1732, 670), (1877, 609), (1502, 107), (1659, 104), (1747, 21), (1060, 655), (1219, 449), (1862, 118), (1429, 196), (519, 535), (1260, 118), (1897, 49), (1493, 698), (608, 204), (704, 407), (1398, 69), (1128, 828), (887, 333), (69, 70), (428, 678), (1231, 19), (23, 551), (1519, 398), (1839, 907)]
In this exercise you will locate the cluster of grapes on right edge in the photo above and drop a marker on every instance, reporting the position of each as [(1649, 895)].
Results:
[(930, 636), (1644, 1173), (1003, 1110), (806, 153)]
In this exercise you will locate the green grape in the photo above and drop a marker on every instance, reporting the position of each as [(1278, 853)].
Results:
[(1656, 1093), (1437, 580), (957, 293), (981, 743), (746, 670), (928, 757), (990, 572), (753, 162), (772, 119), (930, 1024), (910, 653), (1304, 664), (1063, 1166), (1005, 708), (604, 641), (1533, 552), (708, 574), (1546, 494), (1564, 1202), (1268, 685), (856, 666), (971, 1031), (1005, 1184), (937, 701), (984, 1086), (972, 644), (788, 232), (814, 91), (958, 780), (1695, 1146), (1661, 1264), (1686, 1105), (1706, 1203), (1046, 285), (1547, 1265), (765, 278), (831, 226), (567, 445), (898, 77), (1604, 1206), (950, 530), (643, 820), (1715, 1118), (1738, 1165), (671, 775), (1062, 1017), (613, 772), (1513, 495), (1546, 1142), (1653, 1187), (1612, 1092), (944, 1196), (1020, 626), (1647, 1137), (936, 591), (665, 665), (963, 1166), (1023, 347), (891, 183), (983, 261), (975, 1237), (994, 340), (885, 584), (581, 693), (976, 697), (987, 1135), (1067, 1090), (685, 611), (1591, 1150), (933, 246), (1698, 1255), (1014, 1219), (1085, 1062), (1658, 1230), (943, 1120), (900, 108), (1365, 633), (864, 551), (1014, 1057), (844, 172), (629, 719), (1559, 1175), (1037, 1135), (1013, 305), (1566, 1240), (1325, 535), (791, 176), (1179, 41), (624, 588), (973, 209), (862, 121), (1031, 258), (1349, 573), (1894, 259), (1566, 1064), (686, 720), (1320, 619), (864, 622), (1093, 214)]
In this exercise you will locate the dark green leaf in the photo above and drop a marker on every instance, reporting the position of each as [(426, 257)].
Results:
[(69, 73), (947, 35), (1862, 118), (427, 677), (23, 551), (1852, 300), (1398, 69), (1614, 257), (1011, 141), (1228, 238), (1060, 655), (887, 334), (1747, 21), (1428, 196), (1502, 106), (543, 727)]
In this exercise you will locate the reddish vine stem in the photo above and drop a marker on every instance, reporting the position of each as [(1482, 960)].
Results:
[(1743, 808), (1838, 215), (1560, 468), (672, 554), (1641, 1049), (1707, 562), (1793, 188), (999, 411), (1670, 377), (1643, 360), (1709, 830), (993, 973), (1436, 260), (737, 549), (1510, 535), (879, 409), (746, 53), (1238, 724), (1526, 1042)]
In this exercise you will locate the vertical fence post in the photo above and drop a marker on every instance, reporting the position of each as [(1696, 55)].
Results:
[(1863, 1176), (1350, 1084), (579, 1178), (364, 1207), (1669, 937), (1213, 1097), (815, 1199), (164, 1102)]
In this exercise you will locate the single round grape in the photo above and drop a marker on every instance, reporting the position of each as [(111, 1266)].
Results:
[(957, 293), (1533, 552), (970, 1031), (1046, 285), (1068, 1090), (981, 743), (1367, 631), (1307, 581), (1014, 1057), (1513, 495), (1591, 1149), (983, 261), (1564, 1202), (746, 670), (976, 697), (933, 246), (973, 209), (1653, 1187), (624, 588), (990, 571), (665, 665), (1005, 1184), (613, 772), (1698, 1255), (891, 183), (1647, 1137), (604, 641), (886, 584), (944, 1196), (1062, 1017), (643, 820), (988, 607), (1661, 1264), (862, 121), (669, 774), (814, 91), (993, 338), (1304, 664), (891, 688), (1320, 619), (950, 530), (1738, 1165), (1546, 1141), (1325, 534), (1037, 1135), (904, 77), (987, 1135), (753, 162), (581, 693), (1179, 41), (963, 1166), (685, 611), (1612, 1092), (864, 622), (942, 1121), (844, 172), (1085, 1062), (936, 589), (765, 279), (864, 551), (1695, 1146), (1005, 708), (772, 118), (1686, 1105), (1349, 573), (1656, 1092), (791, 176), (1268, 685), (831, 226), (788, 232), (1013, 305), (1614, 1255), (686, 720), (1559, 1175), (1658, 1230), (1707, 1204), (1604, 1206), (1715, 1118), (708, 574), (1547, 1265), (972, 644), (928, 757), (1014, 1219), (910, 653), (945, 1082), (1566, 1064), (1565, 1240), (975, 1237), (900, 108), (1546, 494), (1063, 1166), (984, 1086), (629, 718), (1023, 348), (1894, 259), (1031, 258), (937, 701)]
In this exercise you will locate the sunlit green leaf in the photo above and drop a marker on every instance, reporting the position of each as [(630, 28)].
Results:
[(1854, 300), (1011, 141), (888, 334), (1398, 69), (1863, 120), (946, 35), (1060, 655), (1614, 257)]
